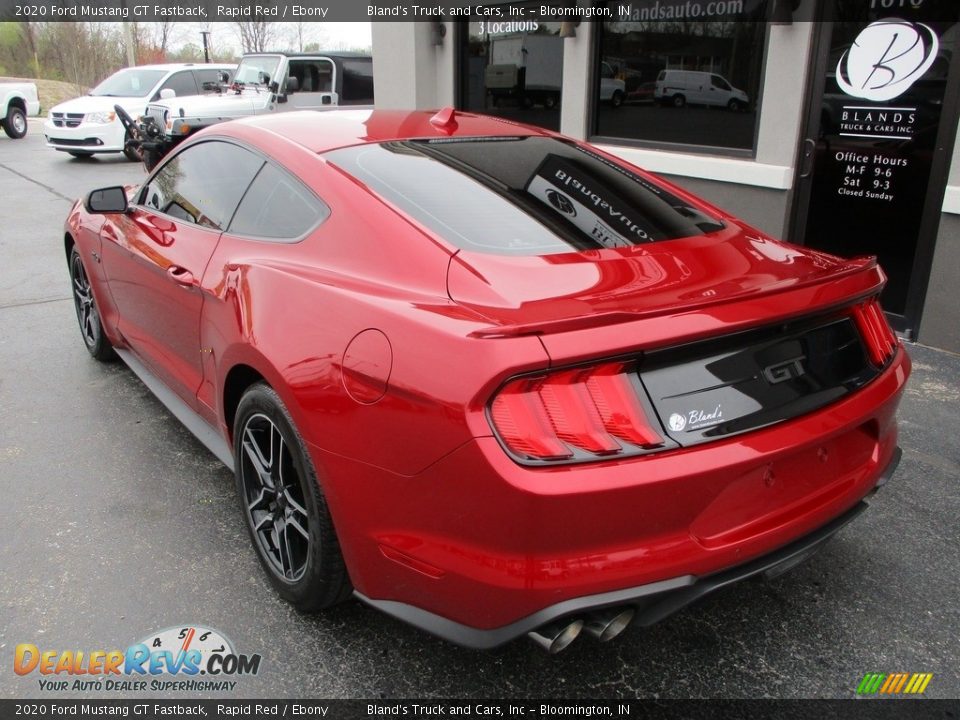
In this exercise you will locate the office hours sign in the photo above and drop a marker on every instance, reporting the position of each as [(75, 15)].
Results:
[(880, 113)]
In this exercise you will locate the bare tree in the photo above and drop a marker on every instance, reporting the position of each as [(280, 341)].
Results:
[(163, 34), (256, 35)]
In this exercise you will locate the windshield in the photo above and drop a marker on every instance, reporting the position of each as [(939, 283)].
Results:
[(132, 82), (521, 195), (250, 69)]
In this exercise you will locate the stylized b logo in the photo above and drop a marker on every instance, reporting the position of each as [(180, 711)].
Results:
[(885, 60)]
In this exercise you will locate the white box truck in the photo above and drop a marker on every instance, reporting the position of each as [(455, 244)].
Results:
[(526, 68)]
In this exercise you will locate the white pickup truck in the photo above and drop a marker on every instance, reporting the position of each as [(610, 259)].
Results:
[(17, 101)]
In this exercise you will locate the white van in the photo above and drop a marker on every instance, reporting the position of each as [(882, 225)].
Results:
[(679, 87), (88, 124)]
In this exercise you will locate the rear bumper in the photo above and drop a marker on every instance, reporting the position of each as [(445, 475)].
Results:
[(654, 601), (478, 549)]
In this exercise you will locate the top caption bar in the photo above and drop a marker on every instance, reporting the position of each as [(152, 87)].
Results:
[(448, 10), (289, 11)]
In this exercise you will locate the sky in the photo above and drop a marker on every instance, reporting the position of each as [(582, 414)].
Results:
[(329, 35)]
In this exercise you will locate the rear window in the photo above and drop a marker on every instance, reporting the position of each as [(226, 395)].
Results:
[(521, 195)]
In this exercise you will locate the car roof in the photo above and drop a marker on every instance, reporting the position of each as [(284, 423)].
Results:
[(179, 66), (329, 130), (314, 53)]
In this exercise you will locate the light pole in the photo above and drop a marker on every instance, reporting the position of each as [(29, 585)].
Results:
[(206, 50)]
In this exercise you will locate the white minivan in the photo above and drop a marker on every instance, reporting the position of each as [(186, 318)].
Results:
[(88, 124), (679, 87)]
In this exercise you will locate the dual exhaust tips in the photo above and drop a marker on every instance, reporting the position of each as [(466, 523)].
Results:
[(604, 625)]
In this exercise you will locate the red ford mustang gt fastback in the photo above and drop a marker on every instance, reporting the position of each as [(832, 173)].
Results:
[(488, 379)]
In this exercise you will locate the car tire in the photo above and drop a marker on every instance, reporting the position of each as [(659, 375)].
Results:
[(678, 101), (283, 506), (616, 100), (734, 106), (15, 123), (88, 317)]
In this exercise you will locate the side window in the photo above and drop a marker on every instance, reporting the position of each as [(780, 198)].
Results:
[(277, 207), (719, 82), (208, 80), (312, 75), (203, 184), (182, 83), (357, 82)]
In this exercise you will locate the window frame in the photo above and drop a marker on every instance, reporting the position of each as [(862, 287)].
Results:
[(273, 240), (593, 109), (334, 74)]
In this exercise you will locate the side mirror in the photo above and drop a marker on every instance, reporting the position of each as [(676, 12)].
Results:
[(167, 93), (223, 76), (292, 85), (107, 201)]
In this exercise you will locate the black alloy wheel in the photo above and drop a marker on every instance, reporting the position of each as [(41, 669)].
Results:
[(285, 510), (88, 317)]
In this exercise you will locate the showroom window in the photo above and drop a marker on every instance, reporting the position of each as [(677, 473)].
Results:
[(678, 81), (512, 68)]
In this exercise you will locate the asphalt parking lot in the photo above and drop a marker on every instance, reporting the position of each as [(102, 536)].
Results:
[(117, 524)]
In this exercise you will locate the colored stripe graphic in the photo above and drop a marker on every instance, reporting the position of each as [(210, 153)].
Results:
[(894, 683)]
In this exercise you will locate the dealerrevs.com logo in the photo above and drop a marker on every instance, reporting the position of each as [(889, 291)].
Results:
[(170, 660), (886, 59)]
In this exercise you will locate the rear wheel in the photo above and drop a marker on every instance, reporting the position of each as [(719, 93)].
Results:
[(616, 100), (15, 124), (87, 315), (285, 510)]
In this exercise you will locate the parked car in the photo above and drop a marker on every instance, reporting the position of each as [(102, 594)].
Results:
[(679, 87), (491, 380), (263, 83), (89, 124), (17, 101)]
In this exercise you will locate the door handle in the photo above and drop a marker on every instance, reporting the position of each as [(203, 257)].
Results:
[(806, 162), (180, 275)]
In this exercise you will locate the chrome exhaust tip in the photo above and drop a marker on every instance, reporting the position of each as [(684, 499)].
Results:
[(605, 625), (557, 635)]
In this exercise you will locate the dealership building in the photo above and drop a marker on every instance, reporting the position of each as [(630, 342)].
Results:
[(830, 123)]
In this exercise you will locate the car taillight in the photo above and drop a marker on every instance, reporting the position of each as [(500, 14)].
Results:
[(581, 413), (879, 338)]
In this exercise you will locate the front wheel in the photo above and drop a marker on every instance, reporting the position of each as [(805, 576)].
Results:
[(285, 510), (616, 100), (679, 101), (734, 106), (87, 315), (15, 124)]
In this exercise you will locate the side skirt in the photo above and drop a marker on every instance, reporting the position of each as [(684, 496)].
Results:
[(201, 429)]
